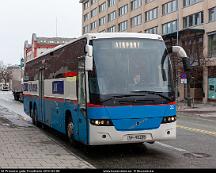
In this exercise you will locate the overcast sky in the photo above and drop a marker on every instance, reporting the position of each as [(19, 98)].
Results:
[(20, 18)]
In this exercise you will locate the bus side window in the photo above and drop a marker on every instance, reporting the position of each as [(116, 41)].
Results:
[(81, 86), (81, 90)]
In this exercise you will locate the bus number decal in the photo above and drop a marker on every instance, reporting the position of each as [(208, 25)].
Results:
[(58, 87)]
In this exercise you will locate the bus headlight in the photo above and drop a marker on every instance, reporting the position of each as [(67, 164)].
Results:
[(101, 122), (169, 119)]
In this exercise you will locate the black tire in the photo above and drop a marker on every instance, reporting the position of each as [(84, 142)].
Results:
[(70, 131), (16, 98), (34, 117)]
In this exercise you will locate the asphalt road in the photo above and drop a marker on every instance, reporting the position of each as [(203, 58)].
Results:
[(193, 148)]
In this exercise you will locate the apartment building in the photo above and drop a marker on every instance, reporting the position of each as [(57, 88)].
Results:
[(189, 23)]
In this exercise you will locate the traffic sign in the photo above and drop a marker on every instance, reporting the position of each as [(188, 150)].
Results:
[(184, 81), (183, 76)]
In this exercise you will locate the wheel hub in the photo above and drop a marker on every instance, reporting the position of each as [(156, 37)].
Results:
[(70, 129)]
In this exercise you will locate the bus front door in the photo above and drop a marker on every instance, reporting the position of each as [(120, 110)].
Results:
[(41, 97), (81, 93)]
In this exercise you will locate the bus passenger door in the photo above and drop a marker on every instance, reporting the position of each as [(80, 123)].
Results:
[(81, 93), (41, 95)]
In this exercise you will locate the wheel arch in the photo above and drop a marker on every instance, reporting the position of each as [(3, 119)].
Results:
[(30, 108)]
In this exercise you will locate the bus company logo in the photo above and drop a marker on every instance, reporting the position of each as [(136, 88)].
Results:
[(58, 87), (138, 123), (172, 107)]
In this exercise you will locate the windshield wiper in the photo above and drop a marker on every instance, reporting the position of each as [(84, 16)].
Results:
[(119, 96), (162, 65), (154, 93)]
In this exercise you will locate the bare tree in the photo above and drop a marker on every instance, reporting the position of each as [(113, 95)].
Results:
[(5, 74)]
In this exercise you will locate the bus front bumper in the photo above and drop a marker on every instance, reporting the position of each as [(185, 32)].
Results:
[(106, 135)]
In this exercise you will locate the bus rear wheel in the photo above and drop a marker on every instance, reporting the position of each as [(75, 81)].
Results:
[(34, 116), (70, 131)]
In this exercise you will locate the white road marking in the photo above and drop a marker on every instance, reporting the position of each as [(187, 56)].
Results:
[(172, 147), (178, 149)]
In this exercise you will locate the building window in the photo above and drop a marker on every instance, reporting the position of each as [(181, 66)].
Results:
[(212, 14), (111, 29), (93, 1), (102, 7), (123, 10), (169, 27), (93, 25), (111, 3), (102, 21), (190, 2), (212, 45), (193, 20), (153, 30), (123, 26), (151, 14), (137, 20), (94, 12), (135, 4), (86, 29), (112, 16), (170, 7), (86, 5), (86, 17)]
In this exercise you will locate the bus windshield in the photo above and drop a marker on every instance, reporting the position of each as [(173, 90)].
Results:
[(128, 67)]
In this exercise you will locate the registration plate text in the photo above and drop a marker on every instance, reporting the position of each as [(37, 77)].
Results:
[(136, 137)]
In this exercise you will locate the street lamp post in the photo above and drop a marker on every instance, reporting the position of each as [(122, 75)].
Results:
[(177, 39), (177, 43)]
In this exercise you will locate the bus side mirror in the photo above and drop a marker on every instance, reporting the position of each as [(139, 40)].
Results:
[(89, 50), (89, 58), (183, 55), (179, 50), (88, 63)]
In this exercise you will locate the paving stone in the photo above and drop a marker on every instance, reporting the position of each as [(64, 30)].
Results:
[(29, 147)]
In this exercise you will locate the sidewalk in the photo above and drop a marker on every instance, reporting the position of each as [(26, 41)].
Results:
[(25, 146), (198, 108)]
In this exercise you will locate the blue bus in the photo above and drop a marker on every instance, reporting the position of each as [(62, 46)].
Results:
[(105, 88)]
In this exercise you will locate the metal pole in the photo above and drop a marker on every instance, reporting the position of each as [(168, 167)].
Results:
[(177, 43), (176, 92), (188, 88)]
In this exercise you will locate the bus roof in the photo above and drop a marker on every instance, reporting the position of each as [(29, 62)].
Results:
[(91, 36), (123, 35)]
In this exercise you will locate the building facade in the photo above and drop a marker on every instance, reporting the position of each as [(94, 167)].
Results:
[(16, 74), (40, 45), (188, 23)]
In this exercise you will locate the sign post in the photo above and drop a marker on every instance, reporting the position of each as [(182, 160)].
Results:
[(183, 77)]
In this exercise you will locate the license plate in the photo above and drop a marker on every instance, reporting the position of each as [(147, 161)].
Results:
[(136, 137)]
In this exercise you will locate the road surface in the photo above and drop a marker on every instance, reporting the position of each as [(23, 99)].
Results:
[(193, 148)]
